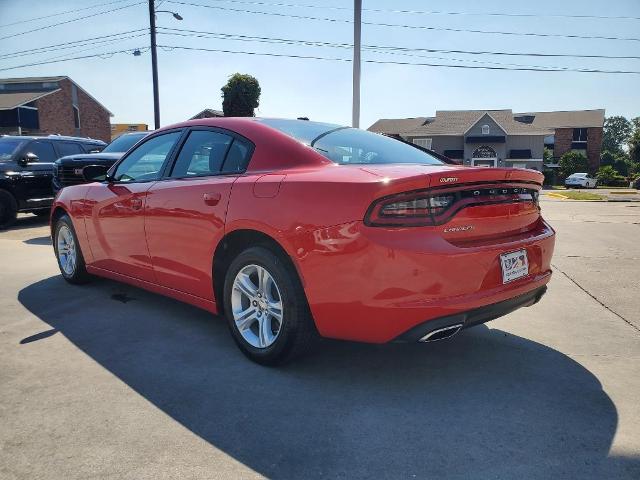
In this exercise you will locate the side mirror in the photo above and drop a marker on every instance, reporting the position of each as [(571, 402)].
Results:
[(28, 158), (95, 173)]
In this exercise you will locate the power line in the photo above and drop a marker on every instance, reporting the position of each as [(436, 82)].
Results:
[(388, 62), (249, 38), (62, 13), (70, 21), (82, 57), (416, 27), (73, 44), (313, 57), (427, 12)]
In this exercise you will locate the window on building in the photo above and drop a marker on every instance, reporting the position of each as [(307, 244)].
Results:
[(76, 116), (485, 129), (423, 142), (579, 134)]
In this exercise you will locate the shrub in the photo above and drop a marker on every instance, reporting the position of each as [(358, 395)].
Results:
[(607, 175)]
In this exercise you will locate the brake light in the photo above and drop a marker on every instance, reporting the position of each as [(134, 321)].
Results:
[(409, 209), (428, 208)]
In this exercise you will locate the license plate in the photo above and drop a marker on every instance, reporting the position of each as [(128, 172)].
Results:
[(514, 265)]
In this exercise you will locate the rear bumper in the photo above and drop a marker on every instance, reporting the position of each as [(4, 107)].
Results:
[(473, 317), (374, 285)]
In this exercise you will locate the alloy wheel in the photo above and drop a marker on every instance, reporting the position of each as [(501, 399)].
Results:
[(256, 305), (67, 254)]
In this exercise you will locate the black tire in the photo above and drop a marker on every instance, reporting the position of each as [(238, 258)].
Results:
[(79, 275), (8, 209), (297, 331)]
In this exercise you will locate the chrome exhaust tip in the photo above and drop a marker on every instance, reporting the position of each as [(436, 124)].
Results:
[(442, 333)]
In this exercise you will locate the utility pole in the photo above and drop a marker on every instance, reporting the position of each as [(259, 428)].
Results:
[(154, 64), (357, 27)]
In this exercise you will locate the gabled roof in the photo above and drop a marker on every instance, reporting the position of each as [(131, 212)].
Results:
[(11, 100), (42, 93), (458, 122), (395, 126), (487, 114), (567, 119), (207, 113)]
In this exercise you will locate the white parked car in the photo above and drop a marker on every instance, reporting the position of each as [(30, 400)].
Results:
[(583, 180)]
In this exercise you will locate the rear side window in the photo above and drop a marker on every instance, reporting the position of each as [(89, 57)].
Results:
[(68, 148), (202, 154), (43, 150), (237, 158)]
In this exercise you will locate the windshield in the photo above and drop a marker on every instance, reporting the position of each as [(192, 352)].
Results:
[(124, 142), (351, 146), (9, 146)]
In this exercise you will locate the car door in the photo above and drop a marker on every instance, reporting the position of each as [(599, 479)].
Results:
[(115, 228), (185, 212), (36, 176)]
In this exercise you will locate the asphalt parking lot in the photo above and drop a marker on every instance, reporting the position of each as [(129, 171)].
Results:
[(108, 381)]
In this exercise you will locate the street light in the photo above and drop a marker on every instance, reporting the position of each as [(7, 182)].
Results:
[(154, 58)]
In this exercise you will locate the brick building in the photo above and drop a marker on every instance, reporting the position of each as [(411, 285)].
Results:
[(51, 105), (502, 137)]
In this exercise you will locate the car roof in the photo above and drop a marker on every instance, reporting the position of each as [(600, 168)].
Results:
[(55, 138)]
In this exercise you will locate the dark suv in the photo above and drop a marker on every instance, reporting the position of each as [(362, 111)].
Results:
[(26, 168), (68, 170)]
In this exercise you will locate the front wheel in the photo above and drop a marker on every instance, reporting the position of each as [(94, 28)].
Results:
[(68, 253), (266, 307)]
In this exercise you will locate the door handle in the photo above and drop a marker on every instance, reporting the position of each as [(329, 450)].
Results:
[(136, 203), (211, 198)]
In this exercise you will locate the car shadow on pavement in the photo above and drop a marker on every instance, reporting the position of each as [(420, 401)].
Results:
[(486, 404)]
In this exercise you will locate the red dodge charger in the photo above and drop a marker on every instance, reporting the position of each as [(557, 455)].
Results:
[(295, 228)]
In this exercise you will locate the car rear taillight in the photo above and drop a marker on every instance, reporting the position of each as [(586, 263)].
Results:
[(408, 209), (426, 208)]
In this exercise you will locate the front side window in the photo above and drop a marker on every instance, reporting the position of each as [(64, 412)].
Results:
[(9, 146), (202, 154), (43, 150), (145, 162), (349, 146)]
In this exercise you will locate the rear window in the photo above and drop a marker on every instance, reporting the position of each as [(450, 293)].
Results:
[(351, 146)]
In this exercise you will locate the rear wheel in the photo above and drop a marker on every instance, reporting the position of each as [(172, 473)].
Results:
[(68, 253), (266, 307), (8, 209)]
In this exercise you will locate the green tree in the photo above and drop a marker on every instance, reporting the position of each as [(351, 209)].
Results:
[(616, 132), (573, 162), (240, 96), (634, 146)]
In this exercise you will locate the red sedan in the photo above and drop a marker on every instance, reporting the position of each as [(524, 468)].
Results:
[(295, 228)]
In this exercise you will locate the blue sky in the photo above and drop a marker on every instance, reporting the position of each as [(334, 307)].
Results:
[(320, 89)]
